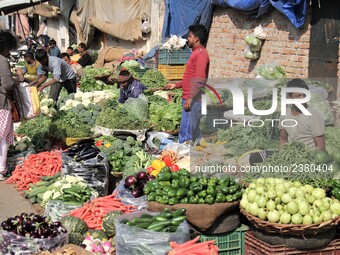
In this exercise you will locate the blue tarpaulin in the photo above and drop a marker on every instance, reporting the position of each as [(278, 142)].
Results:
[(294, 10), (179, 15), (252, 8)]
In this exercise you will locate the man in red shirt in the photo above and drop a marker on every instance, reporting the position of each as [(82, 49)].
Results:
[(195, 75)]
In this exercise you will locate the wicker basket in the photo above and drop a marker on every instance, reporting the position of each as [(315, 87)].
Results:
[(291, 229), (172, 72)]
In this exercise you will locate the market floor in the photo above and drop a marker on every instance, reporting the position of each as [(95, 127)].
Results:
[(11, 202)]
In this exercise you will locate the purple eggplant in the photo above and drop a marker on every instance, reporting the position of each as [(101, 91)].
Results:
[(142, 176), (130, 181), (136, 192)]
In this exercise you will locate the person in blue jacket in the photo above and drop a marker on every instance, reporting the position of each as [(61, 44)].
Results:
[(129, 86)]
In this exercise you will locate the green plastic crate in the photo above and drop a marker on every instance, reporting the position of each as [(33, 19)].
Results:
[(231, 243)]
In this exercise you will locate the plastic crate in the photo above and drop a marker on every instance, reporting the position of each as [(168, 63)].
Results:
[(254, 246), (70, 140), (231, 243), (172, 72), (173, 57)]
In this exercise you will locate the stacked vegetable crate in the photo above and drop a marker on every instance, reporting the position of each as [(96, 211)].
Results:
[(172, 63), (231, 243), (254, 246)]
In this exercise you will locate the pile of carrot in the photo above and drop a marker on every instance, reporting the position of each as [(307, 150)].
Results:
[(35, 166), (93, 212), (193, 248)]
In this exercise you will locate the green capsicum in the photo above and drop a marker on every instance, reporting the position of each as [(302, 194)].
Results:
[(175, 175), (193, 200), (181, 193), (184, 182), (165, 170), (184, 200), (151, 197), (164, 176), (229, 198), (220, 198), (193, 178), (202, 194), (211, 191), (190, 193), (172, 193), (195, 187), (184, 172), (159, 199), (163, 184), (165, 200), (232, 190), (224, 190), (146, 190), (209, 199), (173, 201), (224, 181), (175, 184), (201, 201), (204, 182)]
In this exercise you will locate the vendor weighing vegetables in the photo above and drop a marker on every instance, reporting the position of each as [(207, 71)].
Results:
[(129, 87)]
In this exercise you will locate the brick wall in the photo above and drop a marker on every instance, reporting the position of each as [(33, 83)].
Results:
[(285, 45)]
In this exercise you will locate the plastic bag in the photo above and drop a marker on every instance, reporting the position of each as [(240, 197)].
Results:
[(55, 209), (94, 171), (10, 242), (248, 54), (145, 27), (259, 32), (164, 139), (136, 241), (127, 198), (323, 106), (251, 40), (182, 150), (15, 160)]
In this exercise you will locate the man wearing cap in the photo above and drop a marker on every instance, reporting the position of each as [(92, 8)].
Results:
[(129, 87)]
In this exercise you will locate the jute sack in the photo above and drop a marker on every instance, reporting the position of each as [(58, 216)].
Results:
[(202, 216)]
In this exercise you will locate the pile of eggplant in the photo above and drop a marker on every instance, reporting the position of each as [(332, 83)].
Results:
[(83, 150)]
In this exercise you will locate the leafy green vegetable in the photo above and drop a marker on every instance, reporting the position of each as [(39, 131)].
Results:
[(37, 129), (119, 118), (70, 124), (154, 79), (166, 114), (271, 72)]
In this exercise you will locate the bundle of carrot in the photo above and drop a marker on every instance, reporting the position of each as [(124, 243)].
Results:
[(93, 212), (35, 166), (193, 248)]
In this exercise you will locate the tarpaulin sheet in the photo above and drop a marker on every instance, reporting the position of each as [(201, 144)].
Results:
[(44, 10), (179, 15), (120, 18), (294, 10), (251, 8)]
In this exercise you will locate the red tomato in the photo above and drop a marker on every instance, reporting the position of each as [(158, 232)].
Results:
[(99, 143), (167, 161), (174, 168), (150, 169)]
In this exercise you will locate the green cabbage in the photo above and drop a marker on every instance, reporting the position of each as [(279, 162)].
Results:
[(137, 107)]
